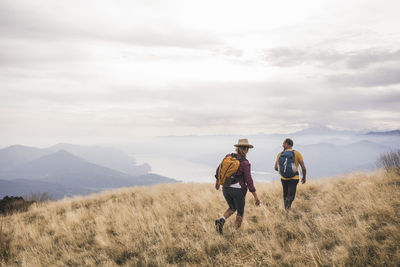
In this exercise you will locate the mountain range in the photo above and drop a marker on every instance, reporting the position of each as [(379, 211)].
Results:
[(394, 132), (326, 151), (65, 170)]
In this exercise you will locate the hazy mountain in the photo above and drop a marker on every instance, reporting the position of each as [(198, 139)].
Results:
[(63, 174), (105, 156), (326, 151), (108, 157), (319, 130), (66, 169), (14, 155), (59, 167), (329, 159), (394, 132)]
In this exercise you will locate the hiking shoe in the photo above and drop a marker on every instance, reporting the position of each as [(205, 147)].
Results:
[(219, 224)]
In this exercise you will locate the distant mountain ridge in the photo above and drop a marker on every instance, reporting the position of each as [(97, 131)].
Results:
[(320, 130), (62, 173), (17, 154), (58, 166), (394, 132), (326, 159), (326, 151), (105, 156)]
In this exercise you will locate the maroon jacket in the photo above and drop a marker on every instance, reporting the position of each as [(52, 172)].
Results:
[(244, 174)]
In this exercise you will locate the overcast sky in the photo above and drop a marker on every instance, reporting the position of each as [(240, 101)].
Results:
[(88, 71)]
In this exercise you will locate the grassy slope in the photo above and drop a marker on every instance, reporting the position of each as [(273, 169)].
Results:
[(349, 221)]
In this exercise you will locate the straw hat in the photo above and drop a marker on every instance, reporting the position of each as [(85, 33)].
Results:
[(244, 142)]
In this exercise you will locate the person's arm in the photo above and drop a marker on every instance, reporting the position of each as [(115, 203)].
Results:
[(249, 181), (276, 163), (216, 179), (256, 198), (217, 185), (303, 171)]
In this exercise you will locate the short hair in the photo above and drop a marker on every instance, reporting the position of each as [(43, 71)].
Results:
[(288, 141)]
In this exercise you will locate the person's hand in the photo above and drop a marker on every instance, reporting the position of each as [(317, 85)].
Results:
[(303, 180), (217, 185), (257, 202)]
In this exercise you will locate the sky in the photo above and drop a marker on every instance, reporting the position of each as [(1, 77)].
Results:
[(95, 71)]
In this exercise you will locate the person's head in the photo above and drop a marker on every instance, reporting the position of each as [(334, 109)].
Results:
[(242, 147), (287, 143)]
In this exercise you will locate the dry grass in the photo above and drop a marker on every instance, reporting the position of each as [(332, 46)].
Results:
[(390, 161), (350, 221)]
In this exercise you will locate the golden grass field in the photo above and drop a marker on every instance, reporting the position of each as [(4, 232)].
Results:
[(351, 220)]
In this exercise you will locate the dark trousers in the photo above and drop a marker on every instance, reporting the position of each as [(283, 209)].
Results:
[(235, 199), (289, 192)]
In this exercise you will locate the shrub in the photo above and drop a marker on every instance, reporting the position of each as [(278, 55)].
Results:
[(390, 161), (39, 197), (12, 204)]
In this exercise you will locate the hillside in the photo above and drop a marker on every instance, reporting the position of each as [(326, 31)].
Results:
[(109, 157), (64, 174), (353, 220)]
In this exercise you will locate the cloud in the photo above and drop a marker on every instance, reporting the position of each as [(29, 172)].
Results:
[(202, 108), (360, 59), (229, 52), (66, 22), (289, 57), (209, 107), (370, 78), (124, 68)]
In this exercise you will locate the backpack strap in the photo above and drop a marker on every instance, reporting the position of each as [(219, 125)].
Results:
[(238, 158), (297, 172), (294, 157)]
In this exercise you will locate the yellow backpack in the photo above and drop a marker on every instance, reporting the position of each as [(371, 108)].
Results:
[(227, 170)]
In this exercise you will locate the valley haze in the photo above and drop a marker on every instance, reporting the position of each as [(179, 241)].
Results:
[(64, 170)]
